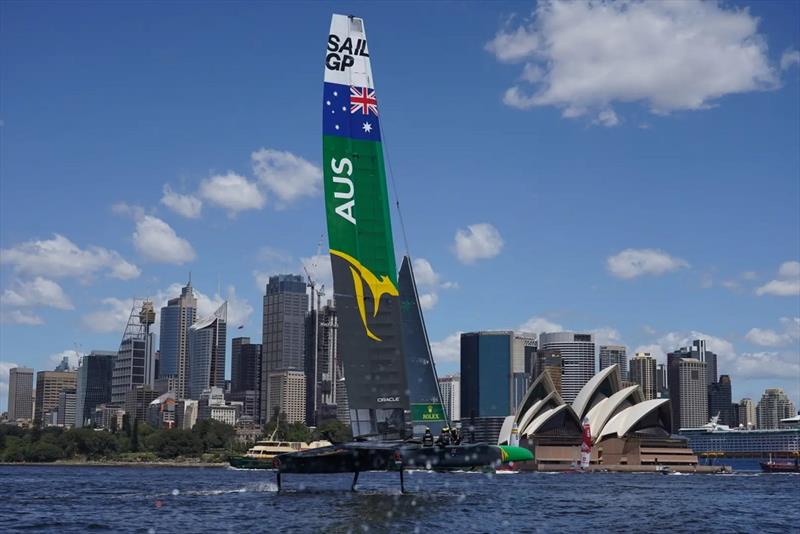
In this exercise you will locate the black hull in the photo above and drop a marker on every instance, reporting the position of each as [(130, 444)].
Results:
[(772, 467), (388, 456)]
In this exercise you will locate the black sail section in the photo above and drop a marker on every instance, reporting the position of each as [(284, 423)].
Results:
[(423, 387), (375, 374)]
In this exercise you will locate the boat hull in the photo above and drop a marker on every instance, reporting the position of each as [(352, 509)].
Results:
[(245, 462), (772, 467)]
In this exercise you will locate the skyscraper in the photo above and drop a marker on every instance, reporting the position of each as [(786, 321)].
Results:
[(177, 317), (643, 372), (719, 401), (688, 391), (774, 406), (20, 391), (66, 408), (698, 350), (549, 361), (49, 384), (614, 354), (93, 384), (283, 331), (748, 417), (245, 364), (205, 364), (135, 363), (662, 390), (577, 356), (450, 387), (320, 392), (287, 395)]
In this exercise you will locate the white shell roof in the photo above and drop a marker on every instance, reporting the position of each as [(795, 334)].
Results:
[(603, 411), (621, 423), (542, 419), (587, 391), (534, 410)]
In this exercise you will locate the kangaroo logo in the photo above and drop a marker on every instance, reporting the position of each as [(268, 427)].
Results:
[(377, 288)]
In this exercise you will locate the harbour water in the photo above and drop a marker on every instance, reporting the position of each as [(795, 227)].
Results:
[(160, 499)]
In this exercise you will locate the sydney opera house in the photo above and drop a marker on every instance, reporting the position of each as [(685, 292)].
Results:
[(628, 432)]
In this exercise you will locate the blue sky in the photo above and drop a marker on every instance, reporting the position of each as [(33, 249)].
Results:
[(633, 172)]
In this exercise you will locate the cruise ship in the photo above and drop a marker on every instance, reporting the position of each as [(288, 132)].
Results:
[(717, 440)]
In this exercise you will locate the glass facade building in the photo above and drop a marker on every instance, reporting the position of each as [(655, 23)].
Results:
[(577, 359), (93, 384), (177, 317), (206, 355)]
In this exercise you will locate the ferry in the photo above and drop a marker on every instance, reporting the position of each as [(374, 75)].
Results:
[(261, 454)]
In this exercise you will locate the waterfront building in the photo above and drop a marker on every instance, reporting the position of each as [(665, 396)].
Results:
[(49, 384), (66, 408), (212, 406), (95, 373), (688, 391), (450, 388), (250, 402), (283, 333), (161, 412), (108, 416), (186, 413), (773, 407), (748, 417), (205, 365), (134, 365), (577, 359), (643, 372), (719, 401), (287, 395), (614, 355), (137, 402), (20, 394), (492, 381), (177, 317)]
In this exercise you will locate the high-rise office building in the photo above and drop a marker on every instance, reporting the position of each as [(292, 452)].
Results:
[(20, 392), (93, 384), (66, 408), (774, 406), (450, 388), (719, 401), (137, 402), (135, 364), (287, 395), (49, 384), (643, 372), (523, 357), (283, 332), (246, 377), (549, 361), (205, 365), (699, 351), (748, 417), (321, 363), (614, 355), (493, 378), (577, 359), (177, 317), (662, 389), (688, 391)]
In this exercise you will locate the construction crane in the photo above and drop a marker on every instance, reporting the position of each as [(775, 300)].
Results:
[(315, 316)]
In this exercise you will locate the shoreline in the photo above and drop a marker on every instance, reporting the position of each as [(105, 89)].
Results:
[(111, 463)]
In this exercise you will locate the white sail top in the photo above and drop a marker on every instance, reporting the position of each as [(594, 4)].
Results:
[(347, 55)]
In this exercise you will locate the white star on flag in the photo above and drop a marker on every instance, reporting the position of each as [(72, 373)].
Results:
[(367, 127)]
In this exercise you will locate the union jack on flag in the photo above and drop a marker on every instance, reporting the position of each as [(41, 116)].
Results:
[(363, 99)]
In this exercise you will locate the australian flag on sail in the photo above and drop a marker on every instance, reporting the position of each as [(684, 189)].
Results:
[(350, 111)]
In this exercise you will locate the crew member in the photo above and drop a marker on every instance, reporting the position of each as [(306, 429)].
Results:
[(427, 438), (444, 437)]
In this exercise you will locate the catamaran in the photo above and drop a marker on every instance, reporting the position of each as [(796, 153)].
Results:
[(393, 393)]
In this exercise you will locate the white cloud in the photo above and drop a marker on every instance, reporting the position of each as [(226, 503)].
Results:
[(786, 285), (72, 356), (770, 338), (654, 350), (232, 192), (239, 310), (789, 58), (537, 325), (427, 301), (112, 318), (156, 241), (606, 335), (424, 273), (667, 55), (128, 210), (285, 175), (319, 267), (20, 317), (607, 117), (59, 257), (447, 350), (450, 285), (478, 241), (37, 292), (631, 263), (187, 205)]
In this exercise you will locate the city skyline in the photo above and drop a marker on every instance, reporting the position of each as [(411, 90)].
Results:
[(702, 243)]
